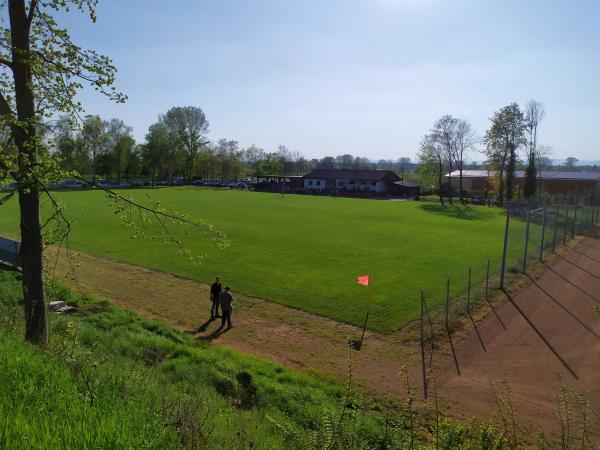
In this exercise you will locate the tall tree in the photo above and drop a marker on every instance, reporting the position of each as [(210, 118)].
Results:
[(156, 150), (534, 113), (188, 127), (254, 157), (464, 140), (431, 157), (119, 144), (92, 140), (443, 135), (503, 139), (65, 142), (227, 154), (44, 70), (571, 162)]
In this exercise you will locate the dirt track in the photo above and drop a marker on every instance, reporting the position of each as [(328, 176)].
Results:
[(552, 337), (549, 335)]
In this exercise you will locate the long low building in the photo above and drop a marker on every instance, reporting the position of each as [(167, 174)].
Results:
[(548, 181), (367, 183)]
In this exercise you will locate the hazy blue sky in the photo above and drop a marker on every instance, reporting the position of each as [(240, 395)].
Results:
[(344, 76)]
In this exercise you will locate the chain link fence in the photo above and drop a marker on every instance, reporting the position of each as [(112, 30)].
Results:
[(533, 230)]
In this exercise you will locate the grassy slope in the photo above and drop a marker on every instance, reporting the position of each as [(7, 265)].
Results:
[(112, 379), (306, 251)]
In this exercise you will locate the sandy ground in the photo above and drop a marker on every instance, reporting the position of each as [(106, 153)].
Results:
[(545, 334), (549, 336)]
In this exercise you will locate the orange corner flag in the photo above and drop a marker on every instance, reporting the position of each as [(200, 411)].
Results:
[(364, 280)]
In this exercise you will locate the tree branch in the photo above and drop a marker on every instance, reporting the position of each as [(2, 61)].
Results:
[(142, 207), (7, 196), (6, 63), (5, 109), (32, 8)]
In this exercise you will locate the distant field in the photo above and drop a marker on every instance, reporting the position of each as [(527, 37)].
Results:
[(304, 251)]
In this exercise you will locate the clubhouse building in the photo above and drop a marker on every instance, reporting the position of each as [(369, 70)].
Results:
[(358, 183)]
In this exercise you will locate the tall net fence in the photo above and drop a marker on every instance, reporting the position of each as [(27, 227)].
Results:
[(533, 230)]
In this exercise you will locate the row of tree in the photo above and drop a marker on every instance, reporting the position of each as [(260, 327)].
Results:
[(511, 138), (177, 146)]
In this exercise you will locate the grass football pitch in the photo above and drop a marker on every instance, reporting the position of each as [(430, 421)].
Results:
[(303, 251)]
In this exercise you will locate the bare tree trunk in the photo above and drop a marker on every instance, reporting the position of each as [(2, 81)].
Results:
[(510, 173), (501, 189), (450, 183), (441, 182), (460, 184), (94, 166), (34, 294)]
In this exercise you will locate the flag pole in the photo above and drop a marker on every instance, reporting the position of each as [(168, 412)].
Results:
[(368, 309)]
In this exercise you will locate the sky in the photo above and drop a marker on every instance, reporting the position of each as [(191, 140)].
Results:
[(365, 77)]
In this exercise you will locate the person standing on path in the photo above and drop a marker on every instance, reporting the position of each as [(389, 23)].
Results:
[(215, 291), (226, 301)]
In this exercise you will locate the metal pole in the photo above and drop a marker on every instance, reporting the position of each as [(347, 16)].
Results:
[(526, 242), (423, 348), (487, 280), (566, 225), (504, 249), (557, 215), (469, 293), (447, 302), (543, 235), (574, 221)]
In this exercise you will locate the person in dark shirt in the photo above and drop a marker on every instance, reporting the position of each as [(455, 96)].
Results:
[(215, 291), (226, 301)]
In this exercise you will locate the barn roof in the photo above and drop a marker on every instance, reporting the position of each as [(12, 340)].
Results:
[(544, 175), (351, 174)]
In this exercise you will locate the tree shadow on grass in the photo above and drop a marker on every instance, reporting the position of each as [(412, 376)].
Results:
[(453, 211)]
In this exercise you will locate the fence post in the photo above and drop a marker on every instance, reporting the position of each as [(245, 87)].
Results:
[(504, 249), (469, 293), (566, 225), (423, 348), (557, 215), (526, 241), (574, 221), (487, 279), (447, 303), (543, 235)]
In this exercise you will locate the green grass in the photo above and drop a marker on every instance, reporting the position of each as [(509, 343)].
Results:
[(305, 251)]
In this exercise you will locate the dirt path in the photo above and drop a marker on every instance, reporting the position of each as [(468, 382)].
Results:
[(550, 334), (289, 336)]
